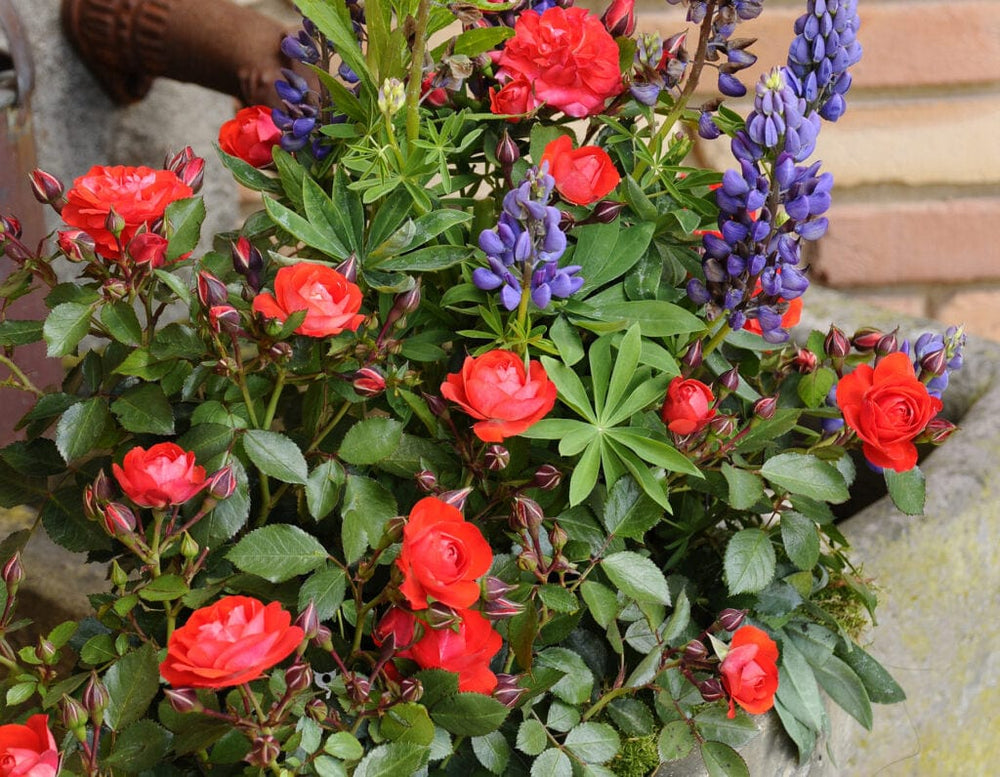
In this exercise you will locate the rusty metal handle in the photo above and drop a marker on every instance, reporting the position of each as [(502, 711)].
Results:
[(20, 51)]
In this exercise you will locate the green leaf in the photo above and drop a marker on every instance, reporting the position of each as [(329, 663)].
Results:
[(301, 229), (570, 388), (882, 689), (745, 488), (334, 22), (907, 490), (631, 716), (750, 561), (797, 688), (122, 323), (676, 740), (814, 387), (844, 686), (492, 751), (600, 267), (248, 175), (594, 743), (323, 488), (66, 325), (722, 761), (229, 516), (392, 760), (132, 682), (20, 692), (602, 602), (472, 43), (531, 737), (182, 226), (654, 451), (656, 318), (68, 526), (371, 440), (367, 506), (585, 473), (175, 284), (277, 552), (13, 333), (469, 714), (800, 473), (139, 747), (628, 512), (557, 598), (81, 427), (144, 409), (325, 216), (714, 723), (276, 455), (426, 259), (637, 577), (325, 589), (407, 722), (552, 763), (343, 744), (577, 682), (801, 540), (165, 588)]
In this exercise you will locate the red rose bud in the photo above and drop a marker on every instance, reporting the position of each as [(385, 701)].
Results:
[(10, 227), (263, 752), (528, 514), (508, 692), (765, 407), (308, 621), (358, 686), (497, 457), (866, 339), (188, 167), (102, 487), (935, 362), (13, 573), (496, 588), (349, 268), (211, 291), (731, 619), (805, 361), (547, 477), (688, 407), (95, 699), (426, 481), (224, 318), (695, 651), (436, 405), (507, 151), (566, 221), (619, 18), (887, 344), (836, 343), (368, 382), (606, 211), (723, 425), (323, 639), (692, 356), (74, 716), (247, 261), (118, 519), (298, 677), (410, 689), (441, 616), (502, 608), (114, 222), (455, 498), (48, 189), (730, 379), (77, 245), (222, 484), (711, 690), (937, 431), (183, 700)]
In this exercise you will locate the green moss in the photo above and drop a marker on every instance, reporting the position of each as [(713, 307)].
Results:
[(637, 758), (847, 606)]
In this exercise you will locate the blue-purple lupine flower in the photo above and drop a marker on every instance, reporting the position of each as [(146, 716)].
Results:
[(825, 46), (935, 356), (780, 122), (526, 246)]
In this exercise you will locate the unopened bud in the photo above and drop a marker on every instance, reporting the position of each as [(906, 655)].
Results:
[(349, 268), (507, 151), (10, 227), (410, 689), (619, 18), (183, 700), (887, 344), (496, 588), (119, 577), (731, 619), (558, 537), (497, 457), (436, 405), (224, 318), (502, 607), (298, 677), (441, 616), (308, 621), (114, 222), (528, 514), (456, 498), (189, 548), (102, 487), (607, 211), (95, 699), (187, 166), (74, 717), (527, 561), (223, 483), (280, 351), (77, 245), (723, 425), (13, 573), (403, 305), (730, 379), (935, 362), (317, 710), (118, 519), (426, 481), (937, 431), (693, 355), (866, 339), (368, 382), (547, 477), (765, 407), (247, 261), (48, 189), (508, 692), (211, 291), (45, 651), (358, 686), (323, 638), (566, 221), (836, 344), (711, 690), (695, 651), (263, 752), (391, 97), (114, 290), (805, 361)]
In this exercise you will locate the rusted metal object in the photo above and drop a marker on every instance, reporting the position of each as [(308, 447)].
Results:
[(17, 160), (127, 44)]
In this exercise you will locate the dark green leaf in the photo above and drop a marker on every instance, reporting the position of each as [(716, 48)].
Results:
[(469, 714), (139, 747), (144, 409), (303, 230), (602, 602), (323, 488), (722, 761), (80, 428), (367, 506), (552, 763), (882, 689), (277, 552), (637, 577), (325, 589), (714, 723), (407, 722), (276, 455), (844, 686), (814, 387), (182, 225), (676, 741), (804, 474), (907, 490), (657, 318), (122, 323), (594, 743), (600, 268), (631, 716), (749, 562), (68, 526), (370, 440), (323, 214), (557, 598), (577, 682), (426, 259), (66, 326), (492, 751), (628, 512), (248, 175), (531, 737), (745, 488), (13, 333), (132, 682), (801, 539), (392, 760)]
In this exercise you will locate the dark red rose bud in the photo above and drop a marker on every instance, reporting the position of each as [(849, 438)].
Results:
[(496, 588), (186, 166), (566, 221), (805, 361), (723, 425), (280, 352), (48, 189), (211, 291), (358, 686), (765, 407), (298, 677), (937, 431), (368, 382), (10, 227), (13, 573), (692, 356), (436, 405), (410, 689), (224, 318), (887, 344), (223, 483), (183, 700), (95, 699), (118, 519), (497, 457), (455, 498), (507, 151), (866, 339), (508, 692), (441, 616), (731, 619), (114, 222), (308, 621), (528, 514), (323, 638), (502, 608), (607, 211), (935, 362), (317, 710), (426, 481), (547, 478), (836, 344), (619, 18), (695, 651), (74, 716), (247, 260), (730, 379), (349, 268), (263, 752), (711, 690), (102, 487)]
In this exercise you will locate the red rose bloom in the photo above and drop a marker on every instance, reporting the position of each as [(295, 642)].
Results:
[(148, 248), (495, 388), (330, 300), (567, 57), (139, 195), (583, 175), (250, 135), (442, 556), (515, 97), (28, 750), (688, 406), (164, 475), (467, 652), (229, 643), (750, 671), (887, 407)]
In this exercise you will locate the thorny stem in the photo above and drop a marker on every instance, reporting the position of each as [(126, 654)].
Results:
[(23, 380)]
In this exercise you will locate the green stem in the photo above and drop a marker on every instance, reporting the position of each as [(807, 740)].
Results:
[(329, 427), (601, 703), (716, 340), (415, 81), (22, 379), (272, 406)]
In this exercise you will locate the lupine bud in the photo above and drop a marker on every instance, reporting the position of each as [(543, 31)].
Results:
[(692, 356), (441, 616), (48, 189), (866, 339), (368, 382), (391, 97), (95, 699), (13, 573), (189, 548), (497, 457), (547, 477), (263, 752), (211, 291), (731, 619), (426, 481), (183, 700), (508, 692), (607, 211), (74, 717), (224, 318), (410, 689), (887, 344), (695, 651), (223, 483), (349, 268), (836, 344), (711, 690), (298, 677), (118, 519), (507, 151), (528, 514), (114, 222), (619, 18), (455, 498), (765, 407), (730, 379), (805, 361), (358, 686), (308, 621)]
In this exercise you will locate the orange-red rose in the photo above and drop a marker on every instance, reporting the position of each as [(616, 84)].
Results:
[(568, 58), (688, 407), (250, 135), (164, 475), (229, 643), (496, 389), (330, 300), (582, 175), (139, 195), (515, 97), (887, 407), (28, 750), (467, 651), (750, 671), (442, 556)]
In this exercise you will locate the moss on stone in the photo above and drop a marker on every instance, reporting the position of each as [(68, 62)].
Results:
[(638, 757)]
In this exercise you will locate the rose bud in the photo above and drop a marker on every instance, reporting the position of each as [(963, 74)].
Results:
[(323, 638), (188, 167), (836, 343), (866, 339), (280, 351), (189, 547), (527, 561), (619, 18), (10, 227), (90, 505), (183, 700), (298, 677), (393, 531), (426, 481), (114, 222), (688, 407), (308, 621), (317, 710), (95, 699), (410, 689), (358, 686), (547, 477), (695, 651), (528, 514), (937, 431), (711, 690), (119, 577), (723, 425), (13, 573), (74, 716), (507, 151), (264, 752), (211, 291), (45, 651), (48, 189), (495, 588), (102, 486), (224, 318), (77, 245), (805, 361), (441, 616), (731, 619), (765, 407), (508, 692), (558, 537), (368, 382), (349, 268), (692, 356), (114, 290), (566, 221), (222, 484), (455, 498), (730, 379), (497, 457), (247, 261), (935, 362), (887, 344), (502, 608), (118, 519)]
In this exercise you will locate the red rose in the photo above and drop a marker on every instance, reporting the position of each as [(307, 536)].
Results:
[(442, 556), (688, 406), (139, 195), (583, 175), (467, 651), (148, 248), (330, 300), (28, 750), (250, 135), (750, 671), (495, 388), (164, 475), (568, 58), (229, 643), (515, 97), (887, 407)]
